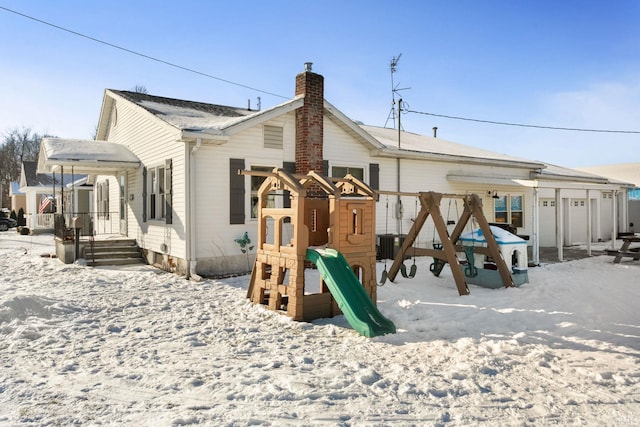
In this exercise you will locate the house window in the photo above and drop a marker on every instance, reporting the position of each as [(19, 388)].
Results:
[(157, 192), (508, 210), (256, 182), (342, 171), (273, 136)]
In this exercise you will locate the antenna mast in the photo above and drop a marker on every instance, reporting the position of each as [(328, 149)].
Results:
[(392, 113)]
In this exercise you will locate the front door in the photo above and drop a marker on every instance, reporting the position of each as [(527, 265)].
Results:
[(123, 203)]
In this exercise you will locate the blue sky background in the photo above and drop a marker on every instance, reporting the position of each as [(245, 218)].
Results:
[(552, 63)]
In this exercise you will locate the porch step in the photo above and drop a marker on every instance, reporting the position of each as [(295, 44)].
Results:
[(113, 252)]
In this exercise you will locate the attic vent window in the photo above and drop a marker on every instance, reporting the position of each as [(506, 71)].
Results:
[(273, 137)]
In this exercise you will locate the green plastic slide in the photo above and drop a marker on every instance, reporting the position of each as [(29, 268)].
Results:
[(361, 313)]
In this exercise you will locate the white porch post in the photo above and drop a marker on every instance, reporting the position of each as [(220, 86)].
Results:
[(614, 213), (589, 234), (536, 227), (559, 224)]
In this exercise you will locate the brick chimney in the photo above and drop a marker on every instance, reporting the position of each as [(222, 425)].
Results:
[(309, 121)]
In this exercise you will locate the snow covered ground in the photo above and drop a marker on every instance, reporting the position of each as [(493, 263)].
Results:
[(137, 346)]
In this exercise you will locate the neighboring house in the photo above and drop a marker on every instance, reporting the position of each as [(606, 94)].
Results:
[(46, 194), (18, 198), (175, 186), (626, 172)]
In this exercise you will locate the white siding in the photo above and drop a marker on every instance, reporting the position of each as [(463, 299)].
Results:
[(215, 234), (152, 141), (418, 175)]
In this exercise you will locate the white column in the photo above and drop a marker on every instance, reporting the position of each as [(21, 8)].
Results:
[(536, 227), (589, 223), (614, 214), (559, 224)]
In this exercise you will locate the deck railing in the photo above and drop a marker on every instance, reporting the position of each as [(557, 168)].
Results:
[(93, 223)]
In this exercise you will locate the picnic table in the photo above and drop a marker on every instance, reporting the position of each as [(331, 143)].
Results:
[(626, 251)]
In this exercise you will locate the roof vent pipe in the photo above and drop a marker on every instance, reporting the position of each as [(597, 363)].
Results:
[(307, 66), (435, 131)]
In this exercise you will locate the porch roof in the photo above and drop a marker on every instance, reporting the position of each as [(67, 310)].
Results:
[(86, 156)]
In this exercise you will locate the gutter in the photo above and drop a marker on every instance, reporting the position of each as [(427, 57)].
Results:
[(408, 154)]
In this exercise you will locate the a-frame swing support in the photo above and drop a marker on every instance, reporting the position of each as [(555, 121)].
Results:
[(430, 205)]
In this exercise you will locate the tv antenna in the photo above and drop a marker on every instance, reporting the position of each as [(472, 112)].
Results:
[(394, 91)]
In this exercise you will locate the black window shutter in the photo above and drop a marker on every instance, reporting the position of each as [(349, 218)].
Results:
[(144, 194), (374, 176), (286, 196), (168, 190), (236, 192), (325, 168)]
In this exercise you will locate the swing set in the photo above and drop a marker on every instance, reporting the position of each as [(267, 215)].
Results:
[(446, 250)]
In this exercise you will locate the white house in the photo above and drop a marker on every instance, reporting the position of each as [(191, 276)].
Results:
[(625, 172), (175, 187), (46, 192)]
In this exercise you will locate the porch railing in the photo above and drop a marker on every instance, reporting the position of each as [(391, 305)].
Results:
[(93, 223)]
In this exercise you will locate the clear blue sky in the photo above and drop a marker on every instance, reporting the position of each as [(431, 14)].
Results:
[(568, 63)]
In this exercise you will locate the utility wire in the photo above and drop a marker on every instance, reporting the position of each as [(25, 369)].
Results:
[(191, 70), (171, 64), (524, 125)]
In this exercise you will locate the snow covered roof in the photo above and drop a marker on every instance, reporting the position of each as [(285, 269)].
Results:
[(503, 237), (85, 156), (200, 117), (440, 149), (627, 172), (187, 114)]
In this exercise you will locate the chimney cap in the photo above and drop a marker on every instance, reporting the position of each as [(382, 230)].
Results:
[(308, 66)]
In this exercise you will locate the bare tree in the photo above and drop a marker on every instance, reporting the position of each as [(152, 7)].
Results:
[(140, 89), (17, 145)]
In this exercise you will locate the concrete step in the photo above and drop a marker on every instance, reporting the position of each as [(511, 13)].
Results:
[(113, 252)]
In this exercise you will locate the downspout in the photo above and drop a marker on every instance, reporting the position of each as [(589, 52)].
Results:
[(536, 226), (191, 197)]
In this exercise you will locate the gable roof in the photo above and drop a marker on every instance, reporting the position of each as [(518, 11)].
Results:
[(29, 177), (219, 122), (196, 119)]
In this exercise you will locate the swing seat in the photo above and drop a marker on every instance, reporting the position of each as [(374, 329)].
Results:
[(470, 270), (412, 271), (383, 277), (437, 265)]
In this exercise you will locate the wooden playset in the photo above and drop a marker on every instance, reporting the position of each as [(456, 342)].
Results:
[(447, 249), (330, 222), (320, 213)]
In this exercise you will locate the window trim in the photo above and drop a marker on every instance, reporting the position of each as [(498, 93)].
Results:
[(364, 170), (509, 209), (254, 193), (156, 197)]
